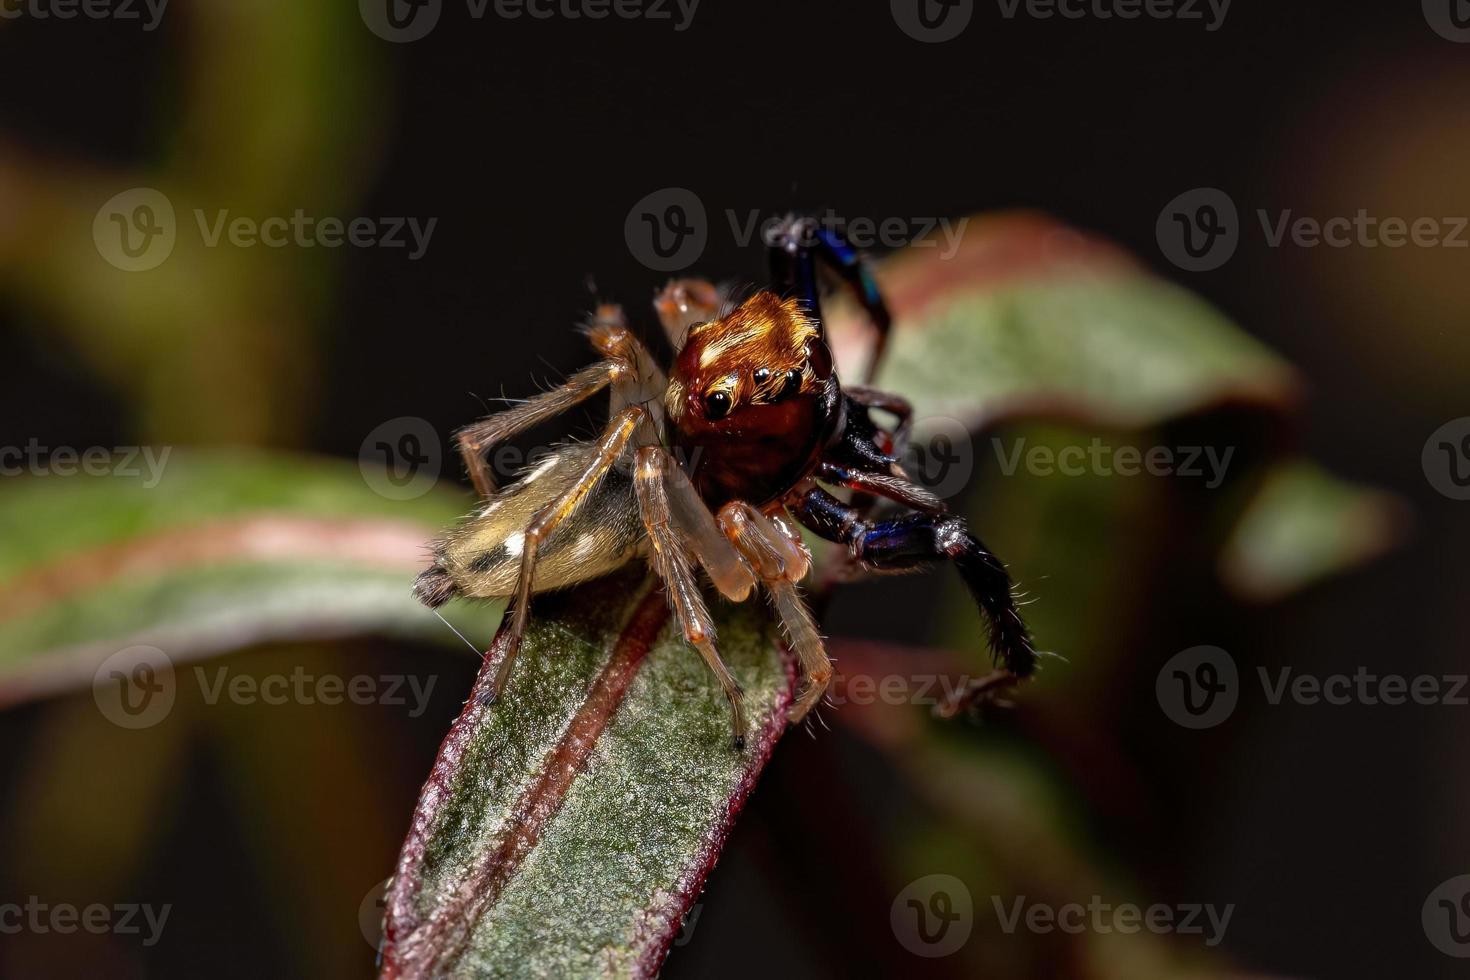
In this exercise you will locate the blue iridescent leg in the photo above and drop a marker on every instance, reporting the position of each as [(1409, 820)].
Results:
[(916, 540), (798, 245)]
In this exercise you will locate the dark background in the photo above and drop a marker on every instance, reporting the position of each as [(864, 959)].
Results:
[(530, 141)]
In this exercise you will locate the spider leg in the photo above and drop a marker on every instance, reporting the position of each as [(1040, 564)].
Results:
[(895, 405), (915, 540), (671, 561), (887, 485), (610, 448), (796, 246), (683, 303), (475, 440), (780, 563), (627, 366)]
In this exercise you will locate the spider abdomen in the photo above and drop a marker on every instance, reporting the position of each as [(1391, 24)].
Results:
[(481, 558)]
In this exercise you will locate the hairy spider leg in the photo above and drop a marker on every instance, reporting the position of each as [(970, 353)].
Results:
[(780, 562), (626, 366), (797, 244), (895, 405), (683, 303), (670, 561), (610, 448), (916, 540)]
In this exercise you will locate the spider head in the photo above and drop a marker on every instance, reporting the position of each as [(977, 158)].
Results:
[(753, 399)]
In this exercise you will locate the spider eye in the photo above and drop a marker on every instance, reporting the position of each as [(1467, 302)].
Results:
[(761, 376), (790, 386), (717, 405)]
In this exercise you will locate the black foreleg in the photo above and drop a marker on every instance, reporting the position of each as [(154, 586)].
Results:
[(916, 540)]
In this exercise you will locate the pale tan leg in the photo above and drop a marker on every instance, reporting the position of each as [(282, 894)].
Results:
[(612, 445), (685, 302), (770, 551), (672, 565), (697, 526), (474, 441)]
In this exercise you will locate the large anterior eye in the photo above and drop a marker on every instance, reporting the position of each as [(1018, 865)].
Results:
[(789, 386), (717, 405)]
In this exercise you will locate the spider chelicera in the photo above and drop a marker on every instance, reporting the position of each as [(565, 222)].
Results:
[(711, 466)]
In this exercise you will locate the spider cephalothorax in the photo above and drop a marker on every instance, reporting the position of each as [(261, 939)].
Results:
[(753, 400), (712, 469)]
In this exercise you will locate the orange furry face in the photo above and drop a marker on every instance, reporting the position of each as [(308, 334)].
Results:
[(753, 400), (766, 352)]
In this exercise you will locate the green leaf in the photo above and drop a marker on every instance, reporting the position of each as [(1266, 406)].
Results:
[(566, 829), (1029, 319), (1303, 525), (228, 549)]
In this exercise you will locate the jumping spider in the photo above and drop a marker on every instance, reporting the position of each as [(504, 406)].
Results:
[(711, 467)]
